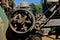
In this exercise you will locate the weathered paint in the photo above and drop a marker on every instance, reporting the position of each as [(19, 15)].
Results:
[(4, 18), (3, 24), (53, 22), (52, 0)]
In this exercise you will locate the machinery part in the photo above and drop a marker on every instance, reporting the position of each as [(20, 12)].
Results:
[(50, 17), (52, 0), (34, 37), (3, 24), (45, 31), (4, 18), (22, 21), (40, 20), (38, 23)]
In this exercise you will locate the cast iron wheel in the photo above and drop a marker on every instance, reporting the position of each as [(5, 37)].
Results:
[(22, 21)]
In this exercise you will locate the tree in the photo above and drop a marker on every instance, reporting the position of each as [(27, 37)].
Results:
[(36, 9)]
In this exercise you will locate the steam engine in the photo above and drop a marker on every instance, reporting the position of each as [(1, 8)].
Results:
[(23, 25)]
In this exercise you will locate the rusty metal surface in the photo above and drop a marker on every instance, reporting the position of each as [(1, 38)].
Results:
[(52, 0), (53, 22)]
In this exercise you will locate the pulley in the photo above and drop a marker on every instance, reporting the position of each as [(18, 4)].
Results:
[(22, 21)]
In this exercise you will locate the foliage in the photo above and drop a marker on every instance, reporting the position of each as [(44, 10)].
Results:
[(36, 9)]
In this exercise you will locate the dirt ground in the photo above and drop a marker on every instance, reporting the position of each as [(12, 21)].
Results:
[(47, 38)]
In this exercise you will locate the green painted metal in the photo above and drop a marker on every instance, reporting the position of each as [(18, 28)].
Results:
[(4, 19)]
